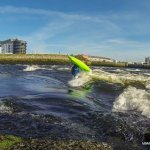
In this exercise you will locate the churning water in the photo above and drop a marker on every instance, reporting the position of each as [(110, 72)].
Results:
[(108, 104)]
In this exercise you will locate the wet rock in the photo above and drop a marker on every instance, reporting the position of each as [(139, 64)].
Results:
[(45, 144)]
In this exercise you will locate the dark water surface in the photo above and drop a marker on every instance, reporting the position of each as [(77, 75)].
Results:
[(37, 101)]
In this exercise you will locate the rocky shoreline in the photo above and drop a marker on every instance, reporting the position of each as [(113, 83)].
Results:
[(9, 142)]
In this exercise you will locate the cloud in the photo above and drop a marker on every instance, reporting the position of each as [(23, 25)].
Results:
[(76, 27), (26, 10)]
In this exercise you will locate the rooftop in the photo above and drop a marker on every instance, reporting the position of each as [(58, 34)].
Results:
[(11, 40)]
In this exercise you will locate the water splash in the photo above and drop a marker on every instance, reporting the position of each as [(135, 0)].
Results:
[(116, 78), (82, 79), (31, 68), (133, 99), (4, 108)]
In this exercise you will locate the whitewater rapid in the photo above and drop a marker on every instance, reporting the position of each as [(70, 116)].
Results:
[(110, 104), (133, 99), (116, 77), (136, 93)]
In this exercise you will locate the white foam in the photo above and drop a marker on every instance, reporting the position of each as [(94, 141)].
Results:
[(148, 86), (138, 70), (31, 68), (82, 79), (133, 70), (4, 108), (147, 74), (63, 69), (118, 77), (133, 99), (54, 66)]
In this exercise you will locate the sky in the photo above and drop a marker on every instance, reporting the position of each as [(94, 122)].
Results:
[(117, 29)]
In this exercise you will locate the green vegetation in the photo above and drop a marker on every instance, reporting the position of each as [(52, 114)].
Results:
[(51, 59), (34, 59), (109, 64), (8, 141)]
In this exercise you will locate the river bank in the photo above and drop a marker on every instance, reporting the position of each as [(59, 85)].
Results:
[(57, 59), (48, 59), (39, 59)]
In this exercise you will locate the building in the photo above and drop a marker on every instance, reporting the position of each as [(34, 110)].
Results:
[(13, 46), (0, 48), (147, 60), (101, 59)]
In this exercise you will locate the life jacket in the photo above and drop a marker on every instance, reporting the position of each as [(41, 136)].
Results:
[(75, 70)]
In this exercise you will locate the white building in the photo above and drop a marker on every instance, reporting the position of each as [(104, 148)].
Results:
[(13, 46), (147, 60), (101, 59), (0, 49), (7, 47)]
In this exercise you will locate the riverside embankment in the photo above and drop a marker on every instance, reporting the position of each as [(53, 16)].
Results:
[(46, 59), (57, 59), (38, 59)]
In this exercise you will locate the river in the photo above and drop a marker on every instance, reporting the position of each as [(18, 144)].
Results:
[(109, 104)]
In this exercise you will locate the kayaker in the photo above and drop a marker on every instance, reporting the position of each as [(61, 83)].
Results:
[(75, 71)]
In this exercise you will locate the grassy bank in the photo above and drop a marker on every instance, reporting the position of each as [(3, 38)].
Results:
[(8, 141), (56, 59), (41, 59), (47, 59), (109, 64)]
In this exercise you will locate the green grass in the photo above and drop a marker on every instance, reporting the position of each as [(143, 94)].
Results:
[(34, 59), (7, 141), (49, 59), (109, 64)]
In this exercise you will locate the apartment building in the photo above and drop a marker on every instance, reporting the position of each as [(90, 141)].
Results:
[(101, 59), (0, 48), (147, 60), (13, 46)]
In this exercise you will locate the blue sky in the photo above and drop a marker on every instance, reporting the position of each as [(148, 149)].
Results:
[(118, 29)]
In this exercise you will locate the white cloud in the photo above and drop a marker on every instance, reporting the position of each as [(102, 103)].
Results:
[(70, 16)]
